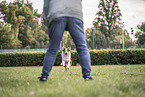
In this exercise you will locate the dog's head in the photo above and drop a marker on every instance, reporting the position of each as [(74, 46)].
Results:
[(66, 50)]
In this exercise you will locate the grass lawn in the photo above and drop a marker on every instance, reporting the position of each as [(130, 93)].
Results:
[(109, 81)]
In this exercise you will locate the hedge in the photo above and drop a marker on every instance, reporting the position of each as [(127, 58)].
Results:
[(98, 57)]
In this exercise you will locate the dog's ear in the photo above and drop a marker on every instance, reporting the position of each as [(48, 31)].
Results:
[(63, 48), (69, 48)]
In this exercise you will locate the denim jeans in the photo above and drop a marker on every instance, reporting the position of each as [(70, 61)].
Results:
[(56, 30)]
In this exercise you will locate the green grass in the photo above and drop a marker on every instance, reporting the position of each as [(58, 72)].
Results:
[(109, 81)]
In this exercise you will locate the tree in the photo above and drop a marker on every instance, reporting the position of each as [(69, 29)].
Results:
[(107, 19), (9, 16), (24, 22), (141, 35), (30, 32), (5, 36), (101, 41), (68, 41)]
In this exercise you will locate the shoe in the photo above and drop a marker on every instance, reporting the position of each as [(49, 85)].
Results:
[(88, 78), (42, 78)]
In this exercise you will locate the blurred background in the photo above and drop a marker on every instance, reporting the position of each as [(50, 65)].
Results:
[(108, 24)]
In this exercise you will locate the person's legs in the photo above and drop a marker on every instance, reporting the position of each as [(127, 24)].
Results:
[(75, 26), (56, 30)]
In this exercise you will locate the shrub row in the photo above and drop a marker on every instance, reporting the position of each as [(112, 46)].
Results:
[(98, 57)]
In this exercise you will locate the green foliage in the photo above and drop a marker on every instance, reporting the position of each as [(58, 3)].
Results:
[(74, 58), (141, 35), (107, 30), (23, 20), (141, 39), (127, 57), (98, 57), (100, 40), (8, 15), (107, 17), (107, 27), (67, 40), (5, 35), (22, 59)]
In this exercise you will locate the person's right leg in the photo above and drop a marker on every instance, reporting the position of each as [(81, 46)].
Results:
[(56, 30)]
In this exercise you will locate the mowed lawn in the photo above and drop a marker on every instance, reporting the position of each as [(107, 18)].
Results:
[(109, 81)]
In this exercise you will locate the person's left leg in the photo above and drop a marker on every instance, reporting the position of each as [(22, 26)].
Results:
[(75, 27)]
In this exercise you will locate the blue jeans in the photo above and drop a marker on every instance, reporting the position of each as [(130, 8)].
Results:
[(56, 30)]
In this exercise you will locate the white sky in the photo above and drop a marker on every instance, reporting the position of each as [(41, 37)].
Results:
[(133, 11)]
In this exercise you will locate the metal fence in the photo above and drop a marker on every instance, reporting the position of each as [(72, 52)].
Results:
[(21, 50)]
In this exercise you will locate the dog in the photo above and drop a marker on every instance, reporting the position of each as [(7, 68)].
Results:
[(66, 58)]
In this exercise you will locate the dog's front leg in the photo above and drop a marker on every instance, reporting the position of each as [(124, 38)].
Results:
[(68, 65), (63, 63)]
